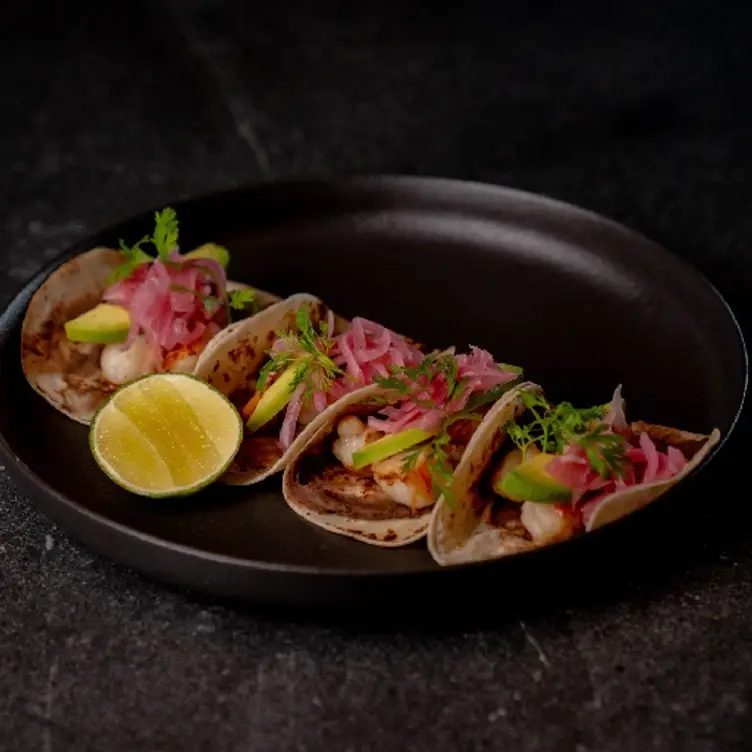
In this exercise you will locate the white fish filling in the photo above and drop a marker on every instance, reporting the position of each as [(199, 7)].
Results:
[(120, 364), (351, 432), (545, 523), (400, 487), (352, 436)]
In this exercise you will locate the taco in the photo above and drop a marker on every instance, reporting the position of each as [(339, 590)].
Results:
[(372, 466), (289, 364), (107, 317), (540, 473)]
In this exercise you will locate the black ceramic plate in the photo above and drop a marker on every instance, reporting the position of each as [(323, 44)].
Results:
[(581, 302)]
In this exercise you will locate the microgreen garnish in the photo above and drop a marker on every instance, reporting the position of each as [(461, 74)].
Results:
[(554, 427), (134, 257), (165, 240), (412, 382), (310, 350), (239, 299), (440, 470)]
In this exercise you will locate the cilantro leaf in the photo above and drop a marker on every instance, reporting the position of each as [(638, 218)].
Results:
[(554, 427), (135, 250), (239, 299), (165, 238), (134, 257), (119, 273)]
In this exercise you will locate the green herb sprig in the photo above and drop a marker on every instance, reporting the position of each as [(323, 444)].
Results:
[(310, 349), (164, 240), (554, 427), (410, 382), (437, 460)]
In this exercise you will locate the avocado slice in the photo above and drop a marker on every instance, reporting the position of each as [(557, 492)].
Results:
[(387, 446), (104, 324), (529, 481), (275, 398), (211, 251)]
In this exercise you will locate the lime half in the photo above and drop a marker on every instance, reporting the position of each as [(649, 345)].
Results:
[(166, 434)]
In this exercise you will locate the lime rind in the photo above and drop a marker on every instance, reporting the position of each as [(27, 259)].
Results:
[(177, 491)]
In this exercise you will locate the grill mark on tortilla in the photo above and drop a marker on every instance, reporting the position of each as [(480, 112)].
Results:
[(664, 436), (327, 487), (322, 483), (256, 453), (505, 515)]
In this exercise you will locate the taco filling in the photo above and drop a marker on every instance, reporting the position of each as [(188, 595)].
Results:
[(159, 312), (307, 368), (392, 455), (108, 317), (561, 464)]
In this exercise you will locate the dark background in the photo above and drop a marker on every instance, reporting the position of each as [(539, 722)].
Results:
[(639, 111)]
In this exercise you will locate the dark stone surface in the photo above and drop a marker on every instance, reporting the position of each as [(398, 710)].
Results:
[(640, 112)]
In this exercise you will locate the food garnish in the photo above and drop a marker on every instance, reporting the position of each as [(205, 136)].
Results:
[(320, 367), (555, 427), (592, 452), (440, 394), (209, 261), (301, 361)]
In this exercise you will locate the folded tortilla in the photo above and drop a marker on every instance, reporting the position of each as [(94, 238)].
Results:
[(67, 374), (323, 491), (318, 487), (466, 532), (231, 363)]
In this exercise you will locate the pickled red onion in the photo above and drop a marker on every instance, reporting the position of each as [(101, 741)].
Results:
[(615, 417), (292, 413), (646, 464), (366, 350), (479, 372), (165, 316)]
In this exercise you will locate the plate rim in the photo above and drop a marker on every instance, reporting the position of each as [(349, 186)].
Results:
[(25, 478)]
